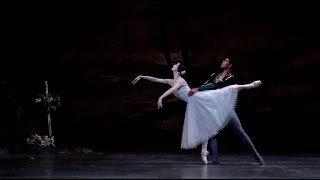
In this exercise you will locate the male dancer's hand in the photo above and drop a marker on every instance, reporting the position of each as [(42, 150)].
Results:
[(192, 91)]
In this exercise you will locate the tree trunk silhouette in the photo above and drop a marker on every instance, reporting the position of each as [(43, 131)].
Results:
[(183, 32), (165, 48), (127, 38)]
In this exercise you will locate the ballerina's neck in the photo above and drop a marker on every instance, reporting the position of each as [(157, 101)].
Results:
[(176, 75)]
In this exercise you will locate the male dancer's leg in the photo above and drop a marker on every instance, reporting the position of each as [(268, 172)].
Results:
[(236, 125), (213, 143)]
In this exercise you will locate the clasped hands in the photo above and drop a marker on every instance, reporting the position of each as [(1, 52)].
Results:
[(193, 91)]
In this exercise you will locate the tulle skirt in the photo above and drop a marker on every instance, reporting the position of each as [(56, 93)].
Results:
[(206, 114)]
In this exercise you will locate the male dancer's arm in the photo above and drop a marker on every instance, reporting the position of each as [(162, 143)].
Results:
[(207, 85), (212, 86)]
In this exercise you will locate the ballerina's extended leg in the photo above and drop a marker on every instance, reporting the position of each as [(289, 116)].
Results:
[(252, 85)]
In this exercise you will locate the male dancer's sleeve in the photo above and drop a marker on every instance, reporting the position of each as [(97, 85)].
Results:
[(211, 86), (229, 81)]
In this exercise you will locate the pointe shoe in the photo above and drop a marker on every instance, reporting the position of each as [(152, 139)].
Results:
[(256, 83), (204, 155)]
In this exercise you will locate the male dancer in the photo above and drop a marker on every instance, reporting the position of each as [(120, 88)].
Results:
[(221, 80)]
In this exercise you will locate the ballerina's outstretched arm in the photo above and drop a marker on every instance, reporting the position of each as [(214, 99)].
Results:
[(150, 78), (159, 80)]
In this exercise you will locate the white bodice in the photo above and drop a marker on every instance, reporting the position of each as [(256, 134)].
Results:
[(183, 93)]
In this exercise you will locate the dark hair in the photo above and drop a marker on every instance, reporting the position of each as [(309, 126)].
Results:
[(232, 60), (182, 69)]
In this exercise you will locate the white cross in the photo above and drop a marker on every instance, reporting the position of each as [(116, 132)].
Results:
[(47, 99)]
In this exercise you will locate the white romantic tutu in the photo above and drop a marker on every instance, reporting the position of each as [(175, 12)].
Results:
[(206, 114)]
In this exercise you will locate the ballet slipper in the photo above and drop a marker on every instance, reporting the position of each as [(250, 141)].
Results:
[(204, 155), (255, 84)]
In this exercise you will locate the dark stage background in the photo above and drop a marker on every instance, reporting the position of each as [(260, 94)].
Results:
[(90, 51)]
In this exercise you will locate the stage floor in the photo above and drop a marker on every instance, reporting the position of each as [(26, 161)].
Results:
[(169, 165)]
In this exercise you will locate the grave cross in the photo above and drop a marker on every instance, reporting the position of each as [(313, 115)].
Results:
[(48, 99)]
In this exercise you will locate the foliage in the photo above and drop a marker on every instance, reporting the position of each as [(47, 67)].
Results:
[(43, 141)]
